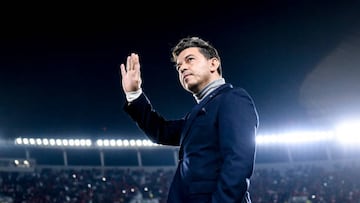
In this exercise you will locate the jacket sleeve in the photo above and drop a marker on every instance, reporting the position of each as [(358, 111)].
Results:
[(238, 121), (156, 128)]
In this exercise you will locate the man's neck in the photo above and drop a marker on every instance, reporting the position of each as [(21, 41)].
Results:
[(208, 89)]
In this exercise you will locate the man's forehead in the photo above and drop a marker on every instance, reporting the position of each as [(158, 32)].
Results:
[(187, 52)]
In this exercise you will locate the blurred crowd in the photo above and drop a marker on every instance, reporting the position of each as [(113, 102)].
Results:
[(300, 184)]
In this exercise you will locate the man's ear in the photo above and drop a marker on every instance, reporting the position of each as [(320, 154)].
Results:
[(214, 64)]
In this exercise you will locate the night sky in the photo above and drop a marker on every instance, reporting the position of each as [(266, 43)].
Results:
[(59, 71)]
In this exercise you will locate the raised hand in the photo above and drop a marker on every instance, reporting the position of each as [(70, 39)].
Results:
[(130, 74)]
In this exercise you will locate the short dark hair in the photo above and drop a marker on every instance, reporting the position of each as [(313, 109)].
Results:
[(205, 48)]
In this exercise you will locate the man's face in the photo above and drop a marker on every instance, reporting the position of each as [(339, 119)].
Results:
[(195, 71)]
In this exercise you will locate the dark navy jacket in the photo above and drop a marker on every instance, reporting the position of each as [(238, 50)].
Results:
[(217, 145)]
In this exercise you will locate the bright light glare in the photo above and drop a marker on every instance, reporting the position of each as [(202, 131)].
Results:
[(294, 137), (349, 132)]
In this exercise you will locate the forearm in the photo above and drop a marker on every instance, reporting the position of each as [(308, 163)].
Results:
[(154, 125)]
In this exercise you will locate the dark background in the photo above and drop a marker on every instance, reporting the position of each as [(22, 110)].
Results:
[(59, 64)]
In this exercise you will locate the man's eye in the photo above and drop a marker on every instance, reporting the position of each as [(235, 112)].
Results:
[(190, 59)]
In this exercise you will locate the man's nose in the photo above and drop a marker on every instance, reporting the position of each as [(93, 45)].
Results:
[(183, 68)]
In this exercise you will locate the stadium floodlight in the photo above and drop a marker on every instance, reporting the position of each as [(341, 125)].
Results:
[(22, 163), (146, 143), (52, 142), (348, 132), (60, 143), (126, 143), (26, 163), (132, 143), (138, 143), (100, 143), (16, 162), (119, 143), (106, 142), (18, 141), (85, 142), (72, 142), (45, 141), (113, 142), (32, 141)]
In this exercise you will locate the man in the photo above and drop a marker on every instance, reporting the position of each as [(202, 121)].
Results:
[(216, 137)]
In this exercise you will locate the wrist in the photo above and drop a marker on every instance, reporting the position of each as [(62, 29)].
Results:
[(132, 95)]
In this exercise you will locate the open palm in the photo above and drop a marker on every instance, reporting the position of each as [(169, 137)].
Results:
[(130, 74)]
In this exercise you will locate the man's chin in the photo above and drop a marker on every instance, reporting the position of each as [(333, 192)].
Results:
[(191, 88)]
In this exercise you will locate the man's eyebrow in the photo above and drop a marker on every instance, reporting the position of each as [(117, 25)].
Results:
[(186, 57)]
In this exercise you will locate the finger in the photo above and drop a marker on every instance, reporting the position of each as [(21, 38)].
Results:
[(128, 63), (136, 65), (133, 61), (122, 70)]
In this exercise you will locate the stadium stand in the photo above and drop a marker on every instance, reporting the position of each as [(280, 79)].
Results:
[(311, 173)]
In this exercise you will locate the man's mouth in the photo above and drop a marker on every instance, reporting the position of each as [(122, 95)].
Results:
[(186, 76)]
